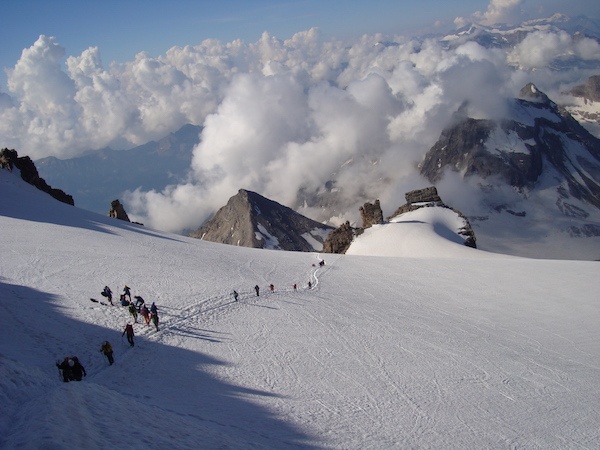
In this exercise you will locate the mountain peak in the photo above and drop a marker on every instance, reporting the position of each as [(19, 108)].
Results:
[(251, 220), (533, 94), (538, 156)]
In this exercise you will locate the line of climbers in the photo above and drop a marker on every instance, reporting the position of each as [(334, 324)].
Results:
[(72, 370), (272, 286), (134, 307)]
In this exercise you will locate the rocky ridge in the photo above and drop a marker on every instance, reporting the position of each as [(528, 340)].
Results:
[(540, 138), (251, 220), (10, 159)]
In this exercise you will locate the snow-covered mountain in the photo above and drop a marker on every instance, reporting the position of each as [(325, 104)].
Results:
[(585, 104), (448, 348), (551, 163), (506, 36)]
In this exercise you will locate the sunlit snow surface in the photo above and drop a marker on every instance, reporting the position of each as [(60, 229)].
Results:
[(434, 347)]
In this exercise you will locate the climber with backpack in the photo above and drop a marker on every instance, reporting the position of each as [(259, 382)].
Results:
[(108, 352), (129, 331), (106, 292), (133, 311)]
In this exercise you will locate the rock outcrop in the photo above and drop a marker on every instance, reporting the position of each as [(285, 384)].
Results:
[(418, 198), (428, 197), (590, 90), (117, 211), (371, 214), (340, 239), (251, 220), (10, 159)]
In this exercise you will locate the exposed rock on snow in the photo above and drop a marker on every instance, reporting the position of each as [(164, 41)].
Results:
[(371, 214), (429, 230), (117, 211), (540, 138), (9, 159), (251, 220), (342, 238), (429, 197)]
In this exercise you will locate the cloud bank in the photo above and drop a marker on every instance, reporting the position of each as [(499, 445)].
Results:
[(500, 11), (321, 117)]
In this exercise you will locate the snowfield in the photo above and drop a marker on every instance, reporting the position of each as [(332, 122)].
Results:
[(433, 345)]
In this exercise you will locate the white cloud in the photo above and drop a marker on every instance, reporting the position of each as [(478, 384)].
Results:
[(498, 11), (278, 115), (177, 208), (541, 48), (45, 109), (366, 131)]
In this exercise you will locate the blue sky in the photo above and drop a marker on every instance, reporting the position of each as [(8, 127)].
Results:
[(122, 28)]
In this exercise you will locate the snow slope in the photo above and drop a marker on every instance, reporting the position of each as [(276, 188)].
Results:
[(425, 232), (433, 350)]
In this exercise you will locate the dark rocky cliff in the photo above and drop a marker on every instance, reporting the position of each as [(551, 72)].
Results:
[(10, 159), (541, 138)]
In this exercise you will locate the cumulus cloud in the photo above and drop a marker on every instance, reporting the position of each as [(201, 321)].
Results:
[(45, 110), (326, 118), (241, 141), (177, 208), (498, 11), (282, 131), (541, 48), (502, 11), (65, 112)]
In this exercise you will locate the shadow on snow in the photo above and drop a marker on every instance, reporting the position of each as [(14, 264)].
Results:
[(150, 387)]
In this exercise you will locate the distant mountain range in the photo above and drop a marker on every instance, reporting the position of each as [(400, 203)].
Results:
[(99, 177), (505, 36)]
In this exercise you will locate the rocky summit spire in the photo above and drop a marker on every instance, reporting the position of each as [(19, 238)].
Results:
[(251, 220), (117, 211)]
